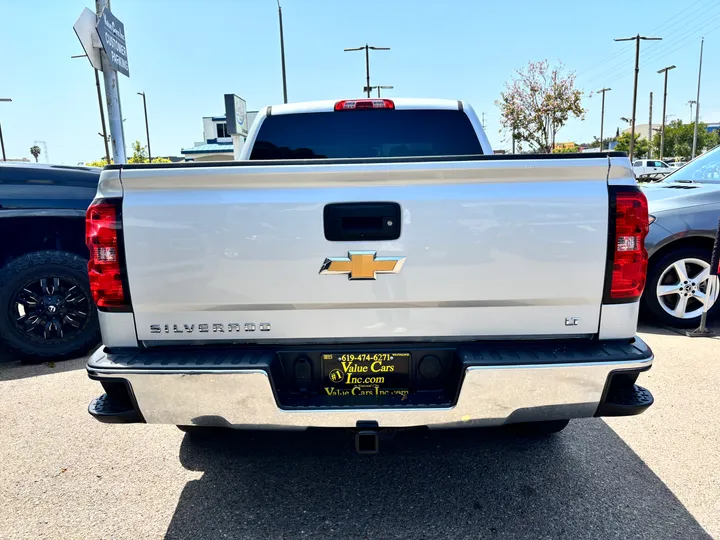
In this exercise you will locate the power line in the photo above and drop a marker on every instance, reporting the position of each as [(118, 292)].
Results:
[(691, 34), (653, 31), (650, 58), (694, 19), (674, 45), (679, 13)]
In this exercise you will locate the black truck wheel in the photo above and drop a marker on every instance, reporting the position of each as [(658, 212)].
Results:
[(46, 309)]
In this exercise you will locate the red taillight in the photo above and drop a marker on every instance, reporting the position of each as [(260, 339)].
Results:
[(102, 230), (352, 104), (629, 262)]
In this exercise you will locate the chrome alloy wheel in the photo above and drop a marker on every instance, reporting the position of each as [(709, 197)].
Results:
[(682, 288)]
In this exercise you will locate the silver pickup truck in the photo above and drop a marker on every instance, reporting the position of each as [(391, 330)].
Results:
[(369, 265)]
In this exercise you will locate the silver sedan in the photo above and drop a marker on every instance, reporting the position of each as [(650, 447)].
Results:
[(684, 210)]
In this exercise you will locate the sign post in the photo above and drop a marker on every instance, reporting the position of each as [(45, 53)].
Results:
[(114, 57), (236, 122), (712, 290)]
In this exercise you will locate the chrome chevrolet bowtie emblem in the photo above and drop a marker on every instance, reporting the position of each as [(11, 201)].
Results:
[(362, 265)]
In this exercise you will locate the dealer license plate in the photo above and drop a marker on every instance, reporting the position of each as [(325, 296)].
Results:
[(375, 374)]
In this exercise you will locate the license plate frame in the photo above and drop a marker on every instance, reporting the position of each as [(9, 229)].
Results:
[(360, 376)]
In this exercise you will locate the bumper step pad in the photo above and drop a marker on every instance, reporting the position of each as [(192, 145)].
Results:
[(625, 401), (113, 411)]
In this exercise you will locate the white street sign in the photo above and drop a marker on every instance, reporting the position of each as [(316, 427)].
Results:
[(85, 30)]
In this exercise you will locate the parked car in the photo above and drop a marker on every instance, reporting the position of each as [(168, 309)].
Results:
[(677, 165), (46, 309), (685, 208), (650, 169)]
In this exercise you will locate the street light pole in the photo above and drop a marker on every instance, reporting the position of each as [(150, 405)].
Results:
[(147, 127), (378, 88), (691, 103), (635, 87), (367, 48), (662, 130), (282, 54), (650, 129), (697, 102), (602, 114), (2, 142), (384, 88)]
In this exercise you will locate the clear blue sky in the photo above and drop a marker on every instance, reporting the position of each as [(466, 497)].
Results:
[(186, 54)]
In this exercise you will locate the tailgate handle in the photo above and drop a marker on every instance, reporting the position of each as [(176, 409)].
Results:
[(362, 221)]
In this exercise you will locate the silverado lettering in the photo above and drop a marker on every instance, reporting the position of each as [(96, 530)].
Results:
[(205, 328)]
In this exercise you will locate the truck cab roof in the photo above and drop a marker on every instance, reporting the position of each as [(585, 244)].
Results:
[(366, 127), (399, 104)]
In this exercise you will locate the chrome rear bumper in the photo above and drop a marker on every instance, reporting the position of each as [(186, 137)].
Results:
[(242, 396)]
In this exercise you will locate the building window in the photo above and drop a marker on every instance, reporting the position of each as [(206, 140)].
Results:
[(222, 130)]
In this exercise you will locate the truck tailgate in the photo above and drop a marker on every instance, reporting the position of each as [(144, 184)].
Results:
[(489, 248)]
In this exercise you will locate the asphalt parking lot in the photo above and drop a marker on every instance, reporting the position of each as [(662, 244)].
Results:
[(63, 475)]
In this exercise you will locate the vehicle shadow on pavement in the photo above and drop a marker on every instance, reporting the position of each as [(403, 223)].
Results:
[(15, 370), (583, 483)]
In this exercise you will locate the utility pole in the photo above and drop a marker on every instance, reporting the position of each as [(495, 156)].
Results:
[(662, 130), (102, 110), (637, 70), (650, 130), (691, 103), (697, 102), (367, 48), (282, 56), (602, 114), (483, 121), (2, 142), (147, 128), (112, 98)]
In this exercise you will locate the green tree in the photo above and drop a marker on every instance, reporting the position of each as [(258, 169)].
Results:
[(537, 102), (35, 151), (679, 139), (139, 156), (99, 163), (640, 148)]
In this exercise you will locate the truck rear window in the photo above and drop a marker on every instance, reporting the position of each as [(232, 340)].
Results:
[(366, 134)]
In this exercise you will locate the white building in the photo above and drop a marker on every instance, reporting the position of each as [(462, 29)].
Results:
[(641, 130), (217, 145)]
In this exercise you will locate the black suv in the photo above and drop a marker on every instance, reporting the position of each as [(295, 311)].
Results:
[(46, 309)]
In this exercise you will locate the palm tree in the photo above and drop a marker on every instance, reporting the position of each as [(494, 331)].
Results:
[(35, 151)]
